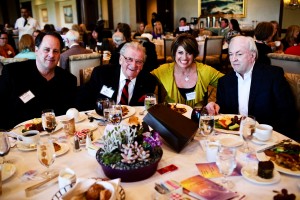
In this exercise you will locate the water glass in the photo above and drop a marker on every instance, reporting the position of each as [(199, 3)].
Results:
[(150, 100), (115, 115), (206, 124), (247, 128), (226, 163)]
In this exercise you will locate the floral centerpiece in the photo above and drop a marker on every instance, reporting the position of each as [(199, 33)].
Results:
[(129, 153)]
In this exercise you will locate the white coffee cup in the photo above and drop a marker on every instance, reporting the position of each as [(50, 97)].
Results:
[(277, 43), (66, 177), (31, 137), (211, 151), (263, 132), (73, 113)]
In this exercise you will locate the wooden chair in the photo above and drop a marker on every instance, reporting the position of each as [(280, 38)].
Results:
[(82, 61), (212, 51), (167, 50), (289, 63)]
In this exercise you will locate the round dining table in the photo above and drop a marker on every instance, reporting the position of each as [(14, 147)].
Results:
[(85, 165)]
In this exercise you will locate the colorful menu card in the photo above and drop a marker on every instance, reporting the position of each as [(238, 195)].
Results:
[(211, 170), (203, 188)]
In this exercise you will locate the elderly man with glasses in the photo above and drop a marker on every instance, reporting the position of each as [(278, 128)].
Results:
[(6, 50), (111, 80)]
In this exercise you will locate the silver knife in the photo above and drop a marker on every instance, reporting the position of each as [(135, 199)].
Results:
[(275, 145)]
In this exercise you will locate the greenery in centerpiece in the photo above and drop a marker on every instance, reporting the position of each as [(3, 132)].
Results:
[(129, 147)]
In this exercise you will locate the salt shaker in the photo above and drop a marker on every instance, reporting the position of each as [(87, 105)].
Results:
[(76, 144)]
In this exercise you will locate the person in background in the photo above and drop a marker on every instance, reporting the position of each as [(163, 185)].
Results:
[(26, 47), (26, 24), (140, 27), (72, 40), (263, 34), (35, 34), (291, 36), (119, 40), (294, 50), (49, 28), (182, 25), (223, 30), (64, 30), (6, 50), (275, 38), (28, 87), (109, 81), (255, 89), (148, 32), (84, 32), (158, 31), (126, 30), (186, 80), (234, 29), (154, 19)]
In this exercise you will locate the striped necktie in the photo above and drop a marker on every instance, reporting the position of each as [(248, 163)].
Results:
[(125, 95)]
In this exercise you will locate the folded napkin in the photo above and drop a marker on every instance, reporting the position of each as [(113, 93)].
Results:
[(82, 185)]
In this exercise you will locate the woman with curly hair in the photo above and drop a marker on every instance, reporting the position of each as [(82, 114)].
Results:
[(290, 38)]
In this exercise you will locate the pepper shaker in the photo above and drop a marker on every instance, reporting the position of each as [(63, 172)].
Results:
[(76, 144)]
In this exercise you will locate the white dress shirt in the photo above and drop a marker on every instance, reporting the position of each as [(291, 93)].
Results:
[(122, 82), (32, 25), (244, 85)]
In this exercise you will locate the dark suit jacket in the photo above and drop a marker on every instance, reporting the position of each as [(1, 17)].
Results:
[(270, 101), (74, 50), (18, 78), (109, 75)]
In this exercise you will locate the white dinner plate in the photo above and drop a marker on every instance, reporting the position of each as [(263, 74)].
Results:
[(24, 147), (189, 109), (225, 130), (251, 175), (263, 157), (91, 126), (130, 113), (229, 140), (81, 117), (20, 127), (272, 140), (64, 149), (8, 170)]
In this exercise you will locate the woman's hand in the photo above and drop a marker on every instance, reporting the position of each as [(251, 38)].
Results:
[(212, 108)]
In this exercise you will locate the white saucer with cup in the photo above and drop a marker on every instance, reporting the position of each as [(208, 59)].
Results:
[(263, 132), (29, 138)]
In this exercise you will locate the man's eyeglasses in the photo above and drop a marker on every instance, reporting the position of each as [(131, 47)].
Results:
[(130, 61)]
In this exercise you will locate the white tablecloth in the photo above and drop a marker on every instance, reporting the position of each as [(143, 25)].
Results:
[(86, 166)]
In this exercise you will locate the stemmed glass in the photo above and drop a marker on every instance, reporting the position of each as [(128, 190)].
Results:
[(4, 145), (46, 156), (49, 121), (206, 124), (226, 163), (115, 114), (150, 100), (247, 128)]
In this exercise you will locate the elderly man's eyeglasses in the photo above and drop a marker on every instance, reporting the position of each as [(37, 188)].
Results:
[(130, 61)]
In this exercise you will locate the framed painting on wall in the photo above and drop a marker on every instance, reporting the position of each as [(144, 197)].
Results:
[(221, 8), (44, 15), (68, 14)]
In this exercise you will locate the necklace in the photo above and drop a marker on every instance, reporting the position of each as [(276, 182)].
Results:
[(187, 78)]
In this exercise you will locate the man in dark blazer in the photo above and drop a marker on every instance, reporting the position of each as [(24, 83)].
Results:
[(108, 81), (72, 40), (27, 88), (255, 89)]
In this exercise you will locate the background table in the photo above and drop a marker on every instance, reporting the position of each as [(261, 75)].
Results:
[(86, 166)]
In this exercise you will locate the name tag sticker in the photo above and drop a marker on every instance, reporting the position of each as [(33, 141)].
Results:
[(27, 96), (107, 91), (190, 96)]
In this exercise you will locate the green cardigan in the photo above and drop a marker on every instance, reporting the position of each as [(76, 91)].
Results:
[(206, 76)]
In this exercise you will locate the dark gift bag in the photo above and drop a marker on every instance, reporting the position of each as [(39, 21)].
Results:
[(176, 129)]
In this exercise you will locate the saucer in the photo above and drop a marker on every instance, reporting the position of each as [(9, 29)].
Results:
[(8, 170), (81, 117), (229, 140), (64, 149), (272, 140), (254, 178), (91, 126)]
